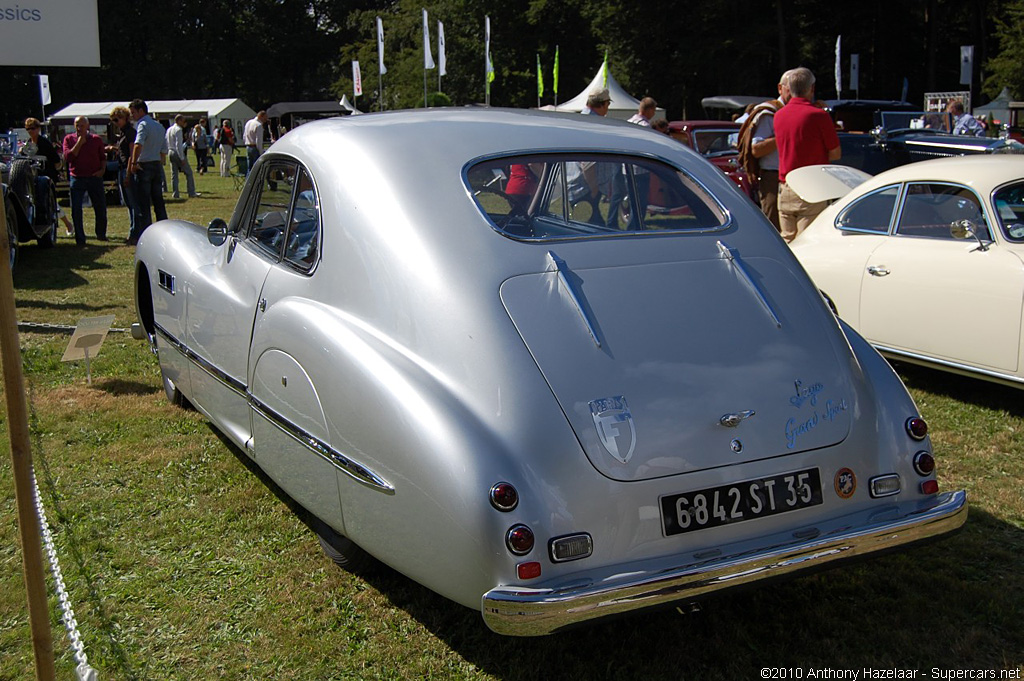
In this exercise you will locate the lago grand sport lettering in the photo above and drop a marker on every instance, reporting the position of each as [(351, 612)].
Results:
[(795, 427)]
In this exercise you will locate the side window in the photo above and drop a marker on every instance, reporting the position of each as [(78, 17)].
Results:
[(304, 229), (871, 213), (269, 222), (929, 209), (1009, 204)]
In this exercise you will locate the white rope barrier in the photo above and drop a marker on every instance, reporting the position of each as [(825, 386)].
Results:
[(83, 670)]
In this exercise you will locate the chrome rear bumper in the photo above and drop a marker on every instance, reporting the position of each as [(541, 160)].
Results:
[(524, 611)]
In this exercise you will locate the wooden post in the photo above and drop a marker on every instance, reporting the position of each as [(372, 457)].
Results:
[(21, 459)]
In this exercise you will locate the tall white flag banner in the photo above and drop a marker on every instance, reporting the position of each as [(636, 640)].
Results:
[(27, 32), (966, 64), (441, 63), (839, 69), (428, 60), (44, 89), (489, 68), (380, 47), (357, 79), (855, 72)]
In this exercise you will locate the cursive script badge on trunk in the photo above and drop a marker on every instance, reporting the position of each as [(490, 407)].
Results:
[(614, 426)]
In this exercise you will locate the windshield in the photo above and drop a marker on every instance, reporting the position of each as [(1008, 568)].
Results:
[(1009, 204), (560, 196), (917, 120)]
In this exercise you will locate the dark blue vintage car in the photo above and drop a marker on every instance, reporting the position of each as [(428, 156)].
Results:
[(907, 136)]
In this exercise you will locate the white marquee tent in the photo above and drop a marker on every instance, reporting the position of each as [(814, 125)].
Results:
[(623, 104), (213, 109)]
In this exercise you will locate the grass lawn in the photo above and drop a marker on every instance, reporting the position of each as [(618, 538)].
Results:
[(184, 562)]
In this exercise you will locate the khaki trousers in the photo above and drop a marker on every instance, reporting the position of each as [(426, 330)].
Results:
[(768, 188), (795, 213)]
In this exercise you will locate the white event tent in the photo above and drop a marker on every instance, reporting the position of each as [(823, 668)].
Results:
[(214, 110), (623, 104)]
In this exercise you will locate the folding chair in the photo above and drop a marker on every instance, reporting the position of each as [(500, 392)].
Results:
[(240, 171)]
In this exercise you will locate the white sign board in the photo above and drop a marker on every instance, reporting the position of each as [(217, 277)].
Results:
[(49, 33), (88, 338)]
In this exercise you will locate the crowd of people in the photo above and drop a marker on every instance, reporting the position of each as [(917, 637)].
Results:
[(140, 146)]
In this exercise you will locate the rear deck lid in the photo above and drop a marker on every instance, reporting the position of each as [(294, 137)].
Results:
[(670, 368)]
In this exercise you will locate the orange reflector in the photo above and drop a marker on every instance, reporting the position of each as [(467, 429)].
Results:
[(930, 487), (529, 570)]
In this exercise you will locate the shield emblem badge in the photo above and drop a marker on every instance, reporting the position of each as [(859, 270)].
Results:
[(614, 426)]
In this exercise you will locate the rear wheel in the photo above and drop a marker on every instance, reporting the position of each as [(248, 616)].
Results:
[(46, 209), (12, 232), (345, 553)]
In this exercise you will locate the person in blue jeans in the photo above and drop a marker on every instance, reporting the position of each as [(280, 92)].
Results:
[(86, 157), (122, 148), (146, 168)]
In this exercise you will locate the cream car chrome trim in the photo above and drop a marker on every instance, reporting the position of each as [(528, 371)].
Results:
[(525, 611), (354, 470), (957, 366), (346, 465)]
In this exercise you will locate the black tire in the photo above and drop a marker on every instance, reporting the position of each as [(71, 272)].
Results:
[(46, 210), (23, 176), (12, 231), (345, 553)]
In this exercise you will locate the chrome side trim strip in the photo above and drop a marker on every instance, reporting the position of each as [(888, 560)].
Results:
[(534, 611), (228, 381), (346, 465), (957, 366), (354, 470)]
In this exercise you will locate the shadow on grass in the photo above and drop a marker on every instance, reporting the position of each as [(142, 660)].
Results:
[(52, 269), (963, 388), (119, 387), (954, 603)]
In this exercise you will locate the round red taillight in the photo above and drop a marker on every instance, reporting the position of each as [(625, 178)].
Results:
[(519, 539), (917, 428), (924, 463), (504, 496)]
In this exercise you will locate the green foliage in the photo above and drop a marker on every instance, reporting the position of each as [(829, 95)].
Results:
[(1007, 67)]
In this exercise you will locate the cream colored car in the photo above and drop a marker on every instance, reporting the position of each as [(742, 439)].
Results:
[(926, 260)]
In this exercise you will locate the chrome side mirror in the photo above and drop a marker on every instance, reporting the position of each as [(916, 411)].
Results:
[(967, 229), (217, 232)]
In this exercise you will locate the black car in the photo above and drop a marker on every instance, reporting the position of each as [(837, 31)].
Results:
[(904, 137)]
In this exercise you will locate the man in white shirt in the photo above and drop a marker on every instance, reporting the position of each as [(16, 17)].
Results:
[(176, 150), (252, 137)]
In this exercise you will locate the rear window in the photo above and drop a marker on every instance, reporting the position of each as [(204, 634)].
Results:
[(559, 196)]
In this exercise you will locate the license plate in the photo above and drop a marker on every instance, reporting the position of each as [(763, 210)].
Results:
[(740, 501)]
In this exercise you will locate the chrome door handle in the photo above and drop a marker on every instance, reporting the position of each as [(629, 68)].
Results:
[(878, 270)]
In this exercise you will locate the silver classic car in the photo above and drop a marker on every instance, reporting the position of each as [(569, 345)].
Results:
[(550, 366)]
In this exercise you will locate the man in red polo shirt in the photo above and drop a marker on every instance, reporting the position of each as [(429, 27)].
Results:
[(805, 136), (86, 157)]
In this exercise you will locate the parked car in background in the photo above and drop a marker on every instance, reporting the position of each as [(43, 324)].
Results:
[(428, 331), (30, 202), (906, 137), (715, 141), (926, 261)]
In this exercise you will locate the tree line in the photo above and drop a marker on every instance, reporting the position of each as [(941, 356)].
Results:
[(266, 51)]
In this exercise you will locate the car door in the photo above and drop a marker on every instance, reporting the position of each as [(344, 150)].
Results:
[(926, 293), (223, 299)]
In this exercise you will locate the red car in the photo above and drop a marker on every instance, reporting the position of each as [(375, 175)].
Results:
[(715, 141)]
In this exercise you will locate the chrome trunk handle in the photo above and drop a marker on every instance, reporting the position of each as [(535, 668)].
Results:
[(878, 270)]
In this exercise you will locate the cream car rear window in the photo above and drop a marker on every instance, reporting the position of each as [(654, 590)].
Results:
[(559, 196)]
